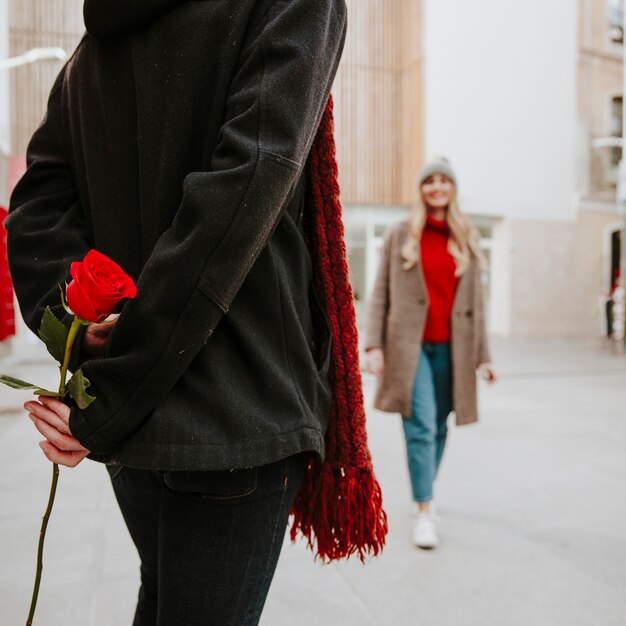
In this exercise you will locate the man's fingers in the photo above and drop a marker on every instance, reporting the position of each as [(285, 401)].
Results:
[(100, 331), (45, 414), (61, 441), (97, 337), (62, 457), (60, 408)]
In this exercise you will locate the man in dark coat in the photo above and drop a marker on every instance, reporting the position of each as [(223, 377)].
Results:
[(174, 142)]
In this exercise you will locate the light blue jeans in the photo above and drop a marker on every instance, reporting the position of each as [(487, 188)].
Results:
[(426, 428)]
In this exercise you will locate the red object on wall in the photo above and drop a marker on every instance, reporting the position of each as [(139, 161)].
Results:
[(7, 312)]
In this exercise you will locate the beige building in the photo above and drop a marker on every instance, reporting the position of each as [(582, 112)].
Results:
[(523, 113)]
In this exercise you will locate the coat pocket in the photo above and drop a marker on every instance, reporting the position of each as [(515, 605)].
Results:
[(322, 344)]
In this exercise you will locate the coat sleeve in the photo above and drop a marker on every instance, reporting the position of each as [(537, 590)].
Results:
[(45, 227), (379, 300), (484, 355), (227, 214)]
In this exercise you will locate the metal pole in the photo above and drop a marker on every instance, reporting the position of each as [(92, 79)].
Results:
[(32, 56)]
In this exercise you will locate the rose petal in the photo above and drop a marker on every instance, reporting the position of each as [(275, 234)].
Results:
[(80, 303), (76, 268)]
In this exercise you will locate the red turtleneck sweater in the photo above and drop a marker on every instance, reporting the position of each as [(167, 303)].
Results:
[(438, 267)]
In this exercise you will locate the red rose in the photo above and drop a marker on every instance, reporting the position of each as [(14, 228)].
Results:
[(98, 285)]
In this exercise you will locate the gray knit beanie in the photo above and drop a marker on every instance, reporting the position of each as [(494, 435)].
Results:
[(437, 165)]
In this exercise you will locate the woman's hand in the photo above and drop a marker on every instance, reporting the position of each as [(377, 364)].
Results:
[(51, 419), (487, 372), (374, 361), (96, 337)]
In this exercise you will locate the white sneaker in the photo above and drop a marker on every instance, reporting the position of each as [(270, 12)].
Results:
[(425, 530)]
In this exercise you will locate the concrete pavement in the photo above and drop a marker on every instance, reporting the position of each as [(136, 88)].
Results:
[(532, 501)]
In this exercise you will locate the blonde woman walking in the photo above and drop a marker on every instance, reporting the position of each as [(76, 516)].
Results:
[(426, 333)]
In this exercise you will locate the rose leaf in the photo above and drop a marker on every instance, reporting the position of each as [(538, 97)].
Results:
[(77, 389), (54, 334), (16, 383)]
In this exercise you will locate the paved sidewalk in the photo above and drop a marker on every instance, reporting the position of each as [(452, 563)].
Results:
[(532, 502)]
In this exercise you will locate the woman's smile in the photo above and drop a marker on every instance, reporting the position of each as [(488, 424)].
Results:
[(437, 191)]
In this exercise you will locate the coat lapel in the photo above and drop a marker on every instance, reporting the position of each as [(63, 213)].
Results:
[(462, 295), (412, 282)]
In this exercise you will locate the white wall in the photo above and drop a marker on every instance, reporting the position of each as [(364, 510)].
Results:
[(501, 260), (500, 97)]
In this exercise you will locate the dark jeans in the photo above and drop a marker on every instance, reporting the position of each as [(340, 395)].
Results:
[(208, 541)]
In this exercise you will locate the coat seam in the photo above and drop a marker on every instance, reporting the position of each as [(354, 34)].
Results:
[(284, 336)]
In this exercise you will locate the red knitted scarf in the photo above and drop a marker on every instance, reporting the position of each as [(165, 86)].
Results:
[(339, 508)]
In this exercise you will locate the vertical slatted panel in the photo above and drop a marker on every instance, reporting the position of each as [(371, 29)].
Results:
[(411, 108), (366, 94), (378, 102), (34, 24), (377, 90)]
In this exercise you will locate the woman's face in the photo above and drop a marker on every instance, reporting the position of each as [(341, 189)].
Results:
[(437, 192)]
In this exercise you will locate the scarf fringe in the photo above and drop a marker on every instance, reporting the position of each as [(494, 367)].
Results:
[(339, 512)]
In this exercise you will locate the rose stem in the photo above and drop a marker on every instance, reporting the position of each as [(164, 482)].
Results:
[(74, 328), (76, 323)]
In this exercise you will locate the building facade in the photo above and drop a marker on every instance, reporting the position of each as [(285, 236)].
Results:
[(600, 98), (522, 97), (517, 96)]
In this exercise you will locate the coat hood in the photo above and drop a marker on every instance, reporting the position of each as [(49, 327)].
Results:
[(105, 18)]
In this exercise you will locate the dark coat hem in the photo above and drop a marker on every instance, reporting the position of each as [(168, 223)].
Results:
[(214, 457)]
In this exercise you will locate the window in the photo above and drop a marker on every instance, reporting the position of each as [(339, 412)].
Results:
[(616, 20), (616, 128)]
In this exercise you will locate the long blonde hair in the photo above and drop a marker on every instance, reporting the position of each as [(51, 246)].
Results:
[(462, 243)]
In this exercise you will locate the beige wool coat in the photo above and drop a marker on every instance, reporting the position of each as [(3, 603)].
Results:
[(396, 318)]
